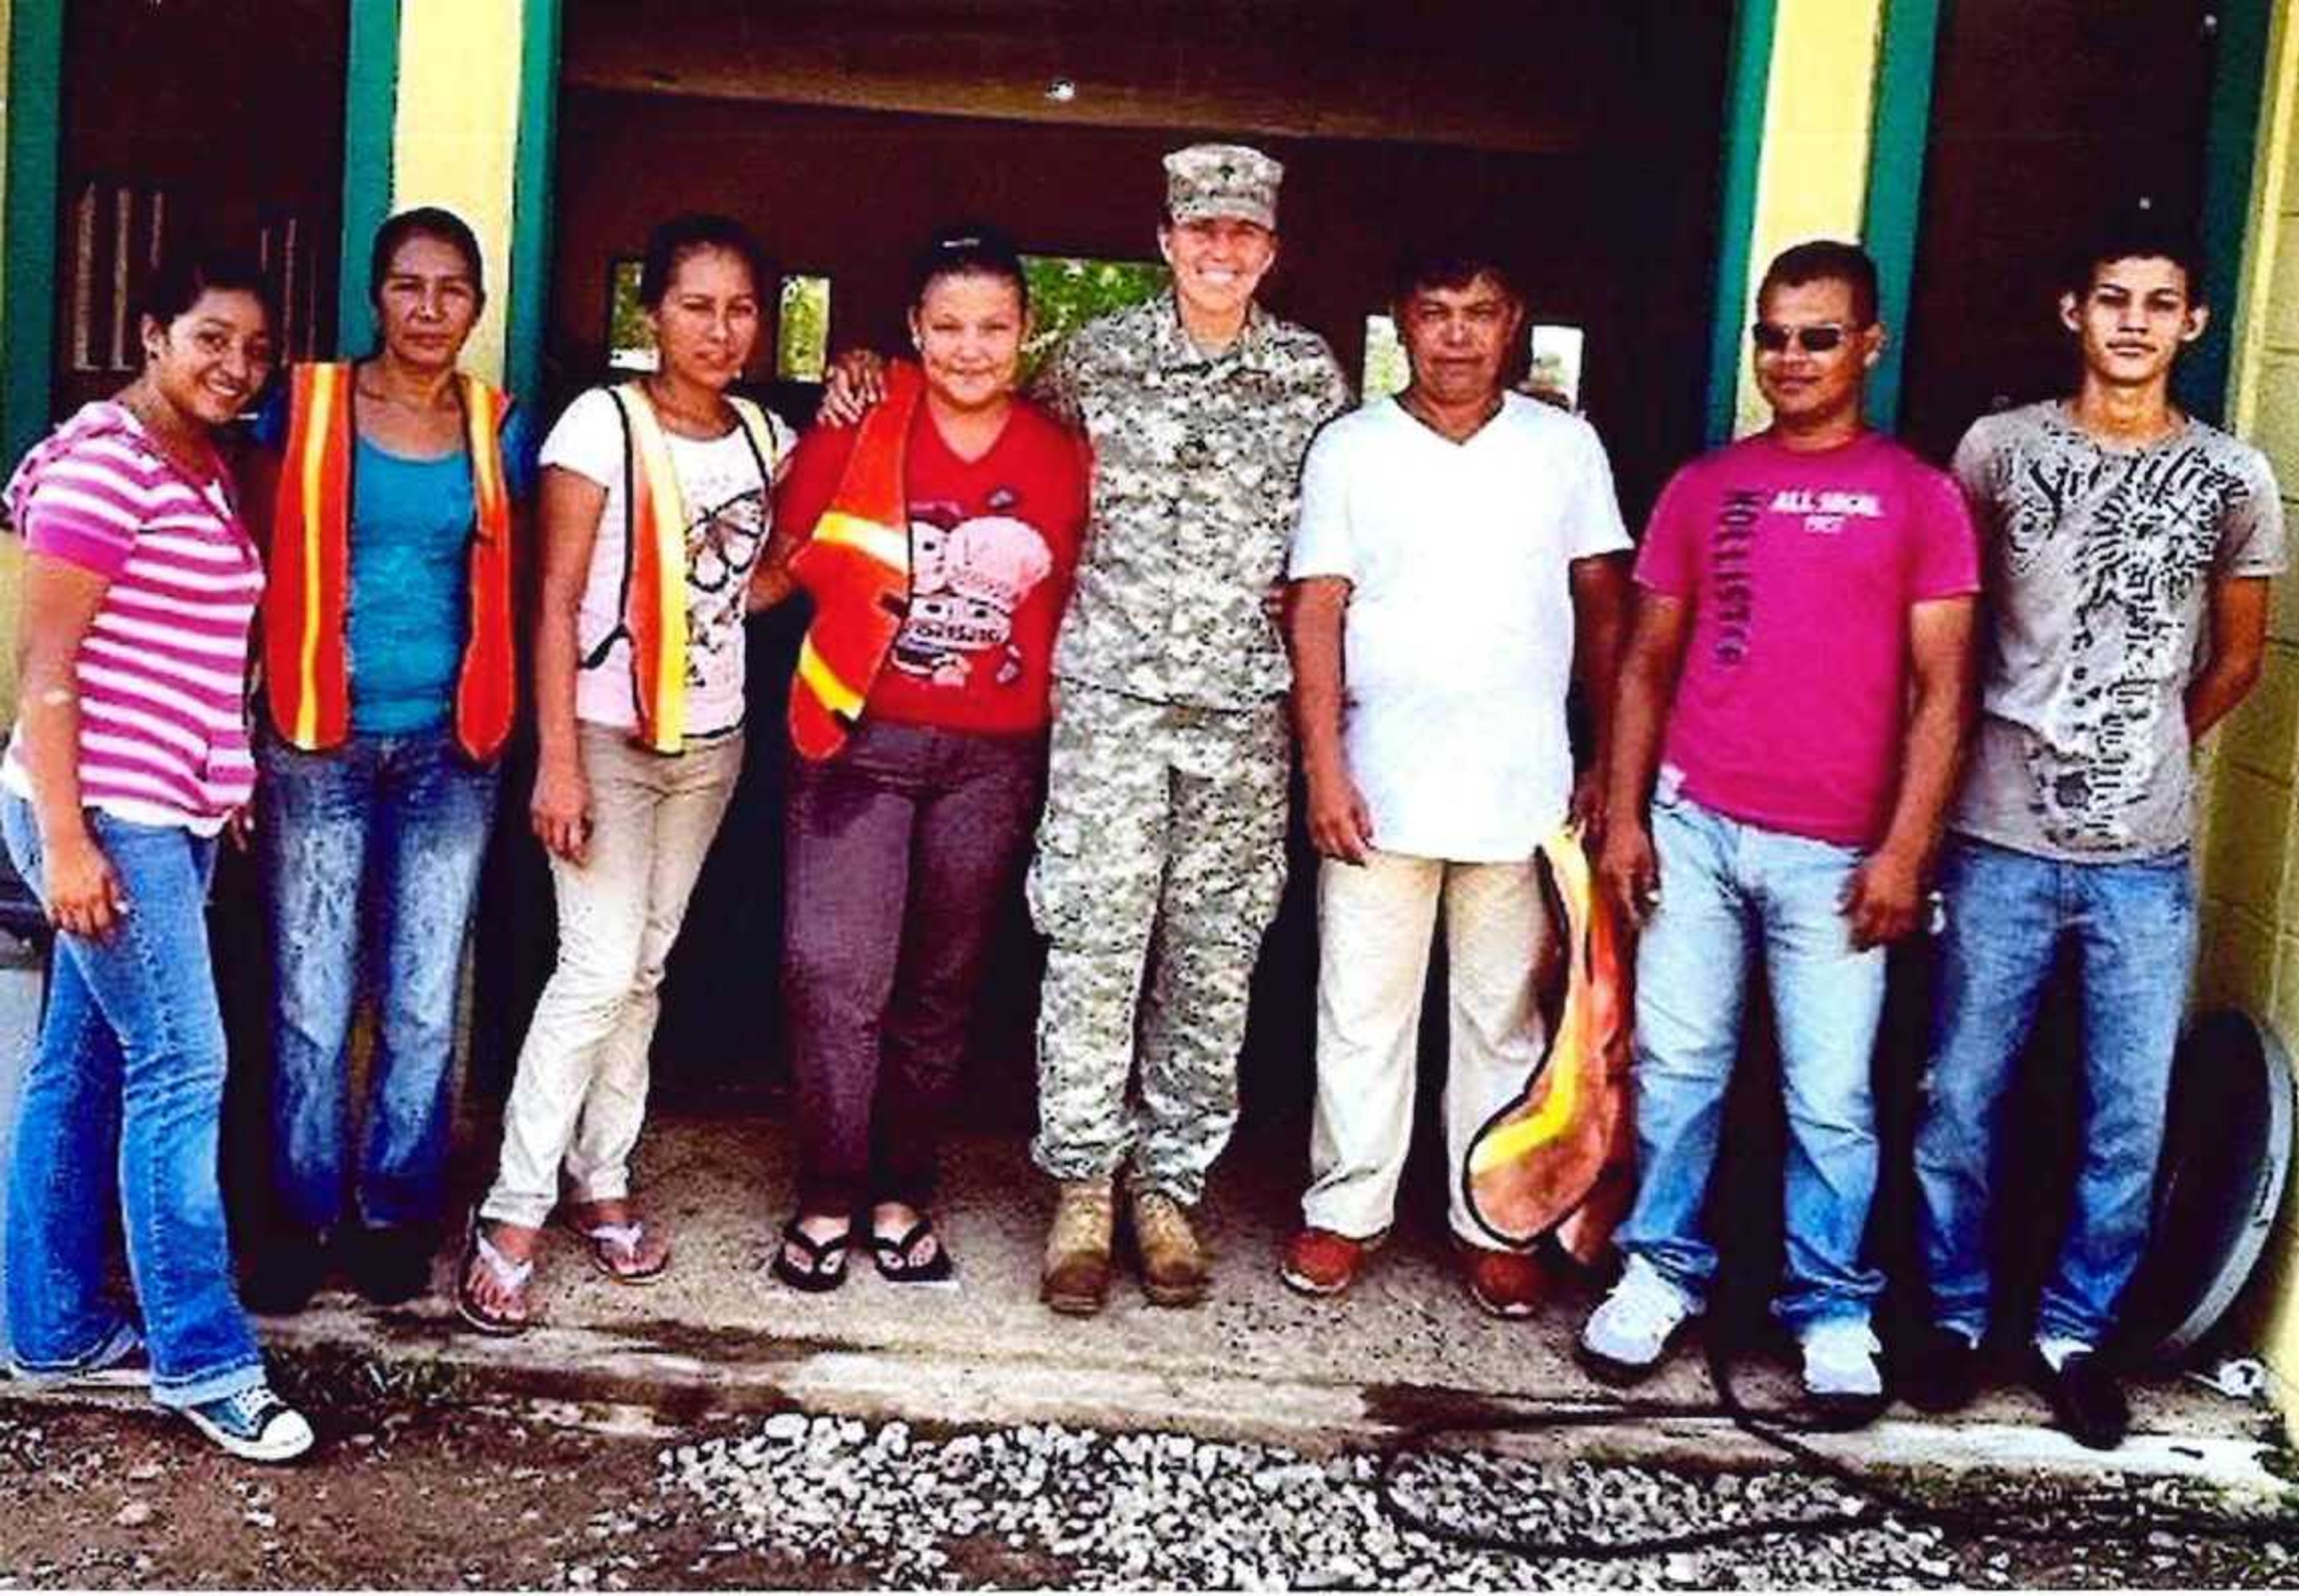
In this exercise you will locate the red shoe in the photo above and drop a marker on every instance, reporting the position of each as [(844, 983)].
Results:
[(1321, 1263), (1508, 1285)]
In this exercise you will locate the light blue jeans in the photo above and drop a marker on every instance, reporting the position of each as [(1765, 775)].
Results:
[(1728, 892), (2133, 929), (120, 1119), (371, 857)]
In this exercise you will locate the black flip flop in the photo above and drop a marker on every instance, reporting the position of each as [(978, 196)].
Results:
[(893, 1255), (820, 1272)]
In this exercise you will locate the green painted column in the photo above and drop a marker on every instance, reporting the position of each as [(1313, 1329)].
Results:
[(532, 199), (28, 289), (2230, 144), (1896, 182), (1746, 96), (370, 111)]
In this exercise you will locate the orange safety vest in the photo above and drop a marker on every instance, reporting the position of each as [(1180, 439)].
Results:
[(306, 665), (653, 604), (856, 566)]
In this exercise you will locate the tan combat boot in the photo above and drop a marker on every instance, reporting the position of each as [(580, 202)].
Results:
[(1078, 1248), (1174, 1273)]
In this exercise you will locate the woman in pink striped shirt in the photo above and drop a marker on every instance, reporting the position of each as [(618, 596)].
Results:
[(128, 757)]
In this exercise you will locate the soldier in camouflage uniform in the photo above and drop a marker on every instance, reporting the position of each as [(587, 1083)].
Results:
[(1164, 821)]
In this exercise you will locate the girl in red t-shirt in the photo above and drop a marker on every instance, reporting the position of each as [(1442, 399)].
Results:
[(904, 842)]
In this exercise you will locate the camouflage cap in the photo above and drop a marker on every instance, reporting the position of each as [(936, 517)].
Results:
[(1222, 179)]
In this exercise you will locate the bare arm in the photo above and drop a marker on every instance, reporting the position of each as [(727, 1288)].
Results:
[(561, 811), (1884, 899), (1647, 686), (60, 604), (2238, 645), (1339, 825), (1600, 606)]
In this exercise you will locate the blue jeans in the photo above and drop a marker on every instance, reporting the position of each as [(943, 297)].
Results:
[(121, 1115), (377, 843), (1728, 890), (2133, 929)]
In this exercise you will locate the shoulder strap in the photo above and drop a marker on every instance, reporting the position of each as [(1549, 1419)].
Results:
[(623, 398)]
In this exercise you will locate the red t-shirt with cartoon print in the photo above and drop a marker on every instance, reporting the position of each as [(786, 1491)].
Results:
[(993, 547)]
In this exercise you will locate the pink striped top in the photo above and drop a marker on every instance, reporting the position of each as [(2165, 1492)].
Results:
[(162, 671)]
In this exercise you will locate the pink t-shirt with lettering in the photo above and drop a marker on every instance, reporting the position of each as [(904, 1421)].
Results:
[(1800, 568)]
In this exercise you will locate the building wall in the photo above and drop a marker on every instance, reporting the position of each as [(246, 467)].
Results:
[(2251, 911)]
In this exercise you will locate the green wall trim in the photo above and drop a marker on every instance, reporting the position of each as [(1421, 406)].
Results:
[(371, 115), (531, 201), (28, 289), (1894, 204), (1751, 69), (2231, 150)]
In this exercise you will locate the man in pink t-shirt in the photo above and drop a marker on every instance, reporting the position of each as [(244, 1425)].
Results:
[(1791, 705)]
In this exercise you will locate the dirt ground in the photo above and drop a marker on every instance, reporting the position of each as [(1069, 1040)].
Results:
[(435, 1489)]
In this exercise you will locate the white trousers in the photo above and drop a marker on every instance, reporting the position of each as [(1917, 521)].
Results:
[(1374, 925), (578, 1097)]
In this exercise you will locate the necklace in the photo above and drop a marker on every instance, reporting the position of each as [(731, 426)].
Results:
[(710, 425)]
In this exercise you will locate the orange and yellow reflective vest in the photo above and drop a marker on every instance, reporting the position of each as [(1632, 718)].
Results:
[(655, 522), (856, 568), (306, 664)]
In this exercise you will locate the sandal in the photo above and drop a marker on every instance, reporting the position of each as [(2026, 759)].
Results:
[(510, 1276), (629, 1251), (824, 1270), (893, 1255)]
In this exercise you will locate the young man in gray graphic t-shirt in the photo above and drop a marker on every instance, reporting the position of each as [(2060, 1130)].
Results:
[(2126, 550)]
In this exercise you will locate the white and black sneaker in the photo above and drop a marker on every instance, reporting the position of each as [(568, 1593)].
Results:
[(254, 1423), (1632, 1328), (1842, 1382)]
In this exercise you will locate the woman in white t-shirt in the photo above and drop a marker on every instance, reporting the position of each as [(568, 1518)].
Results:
[(655, 506)]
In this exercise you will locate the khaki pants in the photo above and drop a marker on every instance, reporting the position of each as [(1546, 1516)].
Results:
[(579, 1096), (1375, 922)]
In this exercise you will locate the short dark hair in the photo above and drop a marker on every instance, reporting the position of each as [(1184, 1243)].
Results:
[(1452, 262), (1825, 261), (182, 277), (423, 222), (2134, 234), (691, 234), (967, 249)]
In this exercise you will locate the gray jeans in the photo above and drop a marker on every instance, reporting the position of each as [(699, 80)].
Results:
[(903, 849)]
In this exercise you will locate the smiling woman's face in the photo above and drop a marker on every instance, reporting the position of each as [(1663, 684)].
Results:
[(1218, 261), (970, 327), (210, 362)]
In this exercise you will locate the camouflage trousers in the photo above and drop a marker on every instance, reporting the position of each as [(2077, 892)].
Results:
[(1164, 826)]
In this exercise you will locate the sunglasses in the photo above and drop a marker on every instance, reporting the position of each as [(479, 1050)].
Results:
[(1773, 337)]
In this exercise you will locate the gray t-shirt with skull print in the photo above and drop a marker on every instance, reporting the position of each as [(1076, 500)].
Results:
[(2098, 564)]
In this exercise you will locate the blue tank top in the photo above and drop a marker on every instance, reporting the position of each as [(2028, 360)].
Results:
[(409, 612)]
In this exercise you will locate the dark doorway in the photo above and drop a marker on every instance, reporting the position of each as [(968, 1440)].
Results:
[(2046, 113), (1586, 139), (218, 120)]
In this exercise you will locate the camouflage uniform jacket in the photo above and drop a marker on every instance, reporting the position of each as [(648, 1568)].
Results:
[(1196, 477)]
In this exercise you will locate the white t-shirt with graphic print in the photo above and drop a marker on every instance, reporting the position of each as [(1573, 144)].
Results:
[(729, 511)]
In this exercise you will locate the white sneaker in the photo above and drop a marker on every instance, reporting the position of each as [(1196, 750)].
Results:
[(1840, 1375), (1627, 1335)]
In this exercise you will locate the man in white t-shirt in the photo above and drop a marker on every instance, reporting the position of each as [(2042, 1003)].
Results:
[(1458, 548)]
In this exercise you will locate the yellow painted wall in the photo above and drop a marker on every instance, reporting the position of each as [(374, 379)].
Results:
[(1812, 181), (2251, 888), (456, 137)]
